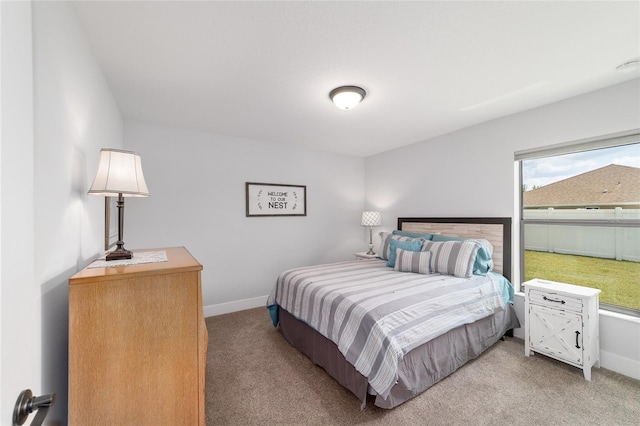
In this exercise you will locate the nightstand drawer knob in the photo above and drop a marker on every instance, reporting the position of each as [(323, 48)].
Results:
[(553, 300)]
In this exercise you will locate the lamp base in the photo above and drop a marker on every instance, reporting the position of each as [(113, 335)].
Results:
[(370, 252), (119, 254)]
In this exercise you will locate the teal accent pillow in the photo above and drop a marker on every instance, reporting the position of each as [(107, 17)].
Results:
[(411, 245), (484, 261), (413, 234), (439, 237)]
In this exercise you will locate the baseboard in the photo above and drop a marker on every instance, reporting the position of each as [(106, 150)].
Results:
[(619, 364), (519, 333), (235, 306)]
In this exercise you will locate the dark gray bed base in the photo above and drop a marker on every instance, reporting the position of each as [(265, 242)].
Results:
[(467, 342)]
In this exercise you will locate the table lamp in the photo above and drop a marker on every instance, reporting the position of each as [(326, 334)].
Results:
[(371, 219), (119, 175)]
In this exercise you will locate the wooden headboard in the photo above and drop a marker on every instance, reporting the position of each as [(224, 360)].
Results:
[(496, 230)]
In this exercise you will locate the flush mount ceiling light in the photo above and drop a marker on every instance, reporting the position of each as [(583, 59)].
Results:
[(347, 97)]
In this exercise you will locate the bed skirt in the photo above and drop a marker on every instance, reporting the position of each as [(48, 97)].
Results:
[(420, 369)]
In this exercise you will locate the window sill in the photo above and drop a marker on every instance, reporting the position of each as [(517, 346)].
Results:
[(618, 315)]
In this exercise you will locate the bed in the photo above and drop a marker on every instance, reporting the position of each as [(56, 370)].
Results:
[(393, 332)]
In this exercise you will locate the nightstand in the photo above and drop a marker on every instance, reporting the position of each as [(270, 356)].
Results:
[(561, 321), (363, 255)]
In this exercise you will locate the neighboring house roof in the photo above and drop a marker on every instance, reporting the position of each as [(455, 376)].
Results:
[(612, 185)]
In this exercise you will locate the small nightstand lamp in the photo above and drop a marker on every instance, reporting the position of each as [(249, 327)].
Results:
[(371, 219), (119, 175)]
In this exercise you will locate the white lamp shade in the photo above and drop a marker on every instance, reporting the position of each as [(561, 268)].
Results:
[(371, 219), (119, 172)]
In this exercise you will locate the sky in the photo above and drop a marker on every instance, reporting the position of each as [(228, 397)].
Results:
[(544, 171)]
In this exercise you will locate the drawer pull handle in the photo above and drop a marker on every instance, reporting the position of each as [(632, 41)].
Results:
[(553, 300), (577, 334)]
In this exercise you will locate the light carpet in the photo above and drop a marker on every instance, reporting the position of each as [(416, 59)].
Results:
[(255, 377)]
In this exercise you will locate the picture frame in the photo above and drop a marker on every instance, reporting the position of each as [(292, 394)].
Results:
[(110, 222), (273, 199)]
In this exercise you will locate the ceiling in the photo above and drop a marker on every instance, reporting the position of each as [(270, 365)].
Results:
[(263, 70)]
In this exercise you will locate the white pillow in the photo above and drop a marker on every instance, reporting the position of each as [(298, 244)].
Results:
[(413, 261), (452, 257), (383, 252)]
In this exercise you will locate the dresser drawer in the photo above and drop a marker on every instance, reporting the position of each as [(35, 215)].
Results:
[(555, 300)]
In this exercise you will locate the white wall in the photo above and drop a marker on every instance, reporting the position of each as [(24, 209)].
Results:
[(75, 115), (471, 173), (50, 227), (20, 304), (197, 184)]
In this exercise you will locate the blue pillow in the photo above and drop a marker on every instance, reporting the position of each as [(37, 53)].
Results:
[(483, 263), (426, 236), (411, 245)]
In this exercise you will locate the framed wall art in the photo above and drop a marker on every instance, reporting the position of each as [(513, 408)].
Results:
[(272, 199)]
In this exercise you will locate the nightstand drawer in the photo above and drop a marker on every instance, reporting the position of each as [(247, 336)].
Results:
[(555, 300)]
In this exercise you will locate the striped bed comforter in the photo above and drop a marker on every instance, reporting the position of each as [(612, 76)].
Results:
[(376, 315)]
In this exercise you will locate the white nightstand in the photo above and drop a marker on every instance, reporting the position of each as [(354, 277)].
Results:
[(561, 321), (363, 255)]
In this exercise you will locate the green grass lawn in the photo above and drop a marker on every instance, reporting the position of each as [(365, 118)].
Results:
[(619, 280)]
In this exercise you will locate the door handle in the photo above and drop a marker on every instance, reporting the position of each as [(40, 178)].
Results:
[(27, 404)]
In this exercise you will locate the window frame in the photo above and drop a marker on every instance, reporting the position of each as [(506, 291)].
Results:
[(591, 144)]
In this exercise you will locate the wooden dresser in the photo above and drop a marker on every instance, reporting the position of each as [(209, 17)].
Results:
[(137, 344)]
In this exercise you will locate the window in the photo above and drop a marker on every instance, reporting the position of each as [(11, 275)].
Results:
[(580, 217)]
